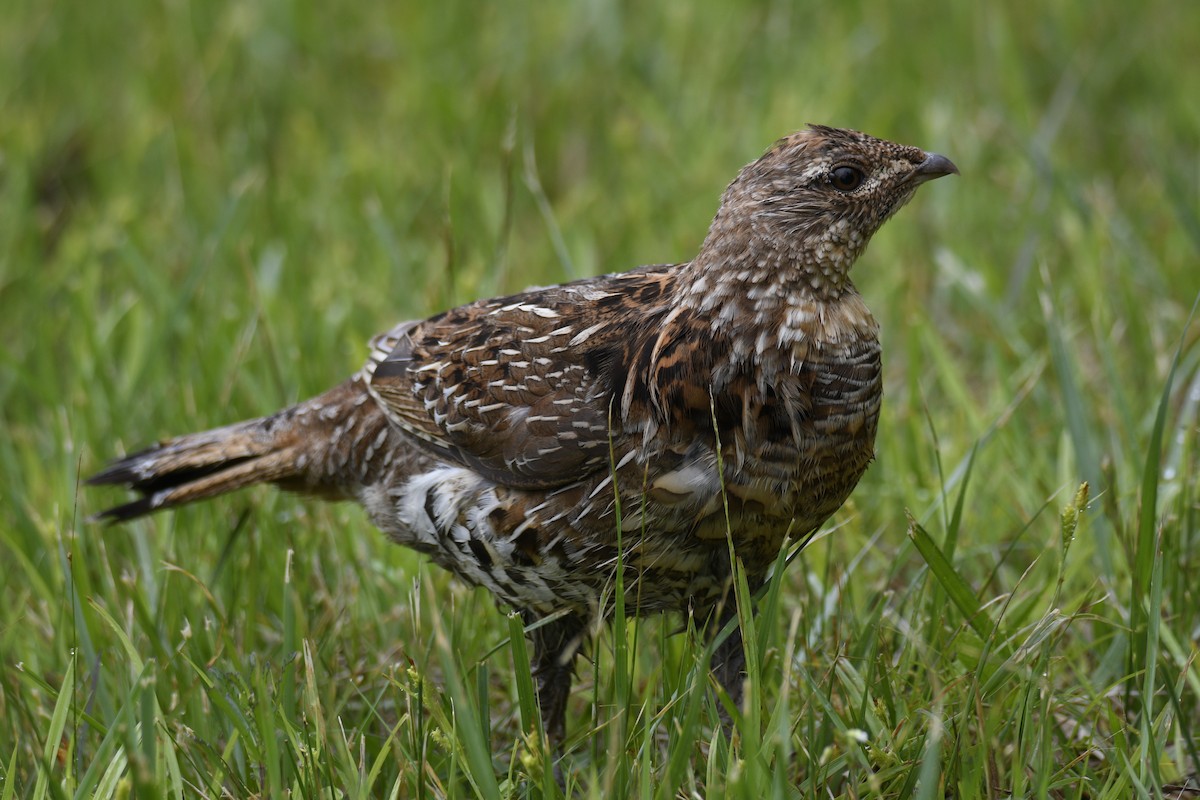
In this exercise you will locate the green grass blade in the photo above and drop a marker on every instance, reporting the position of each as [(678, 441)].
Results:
[(8, 787), (470, 727), (959, 592), (54, 735), (526, 694), (1143, 608)]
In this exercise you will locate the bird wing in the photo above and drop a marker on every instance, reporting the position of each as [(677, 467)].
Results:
[(519, 388)]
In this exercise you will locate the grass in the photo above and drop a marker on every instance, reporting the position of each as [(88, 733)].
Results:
[(207, 209)]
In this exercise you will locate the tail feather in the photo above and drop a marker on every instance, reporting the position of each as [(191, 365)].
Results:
[(292, 448), (196, 467)]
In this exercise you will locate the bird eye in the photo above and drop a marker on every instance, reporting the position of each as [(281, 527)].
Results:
[(846, 179)]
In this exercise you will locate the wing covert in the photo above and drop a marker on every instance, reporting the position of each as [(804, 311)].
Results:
[(518, 388)]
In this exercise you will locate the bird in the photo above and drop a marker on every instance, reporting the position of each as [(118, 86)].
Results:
[(669, 422)]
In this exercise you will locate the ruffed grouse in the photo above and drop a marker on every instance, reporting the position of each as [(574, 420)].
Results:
[(730, 399)]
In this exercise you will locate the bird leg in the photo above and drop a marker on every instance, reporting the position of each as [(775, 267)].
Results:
[(729, 665), (728, 661), (555, 646)]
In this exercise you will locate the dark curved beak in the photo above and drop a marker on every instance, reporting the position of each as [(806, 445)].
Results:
[(934, 166)]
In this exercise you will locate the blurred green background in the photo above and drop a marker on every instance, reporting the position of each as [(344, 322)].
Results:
[(206, 208)]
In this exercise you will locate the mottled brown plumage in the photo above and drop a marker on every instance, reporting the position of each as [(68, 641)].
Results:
[(498, 437)]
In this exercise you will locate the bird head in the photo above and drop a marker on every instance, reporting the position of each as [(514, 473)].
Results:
[(805, 210)]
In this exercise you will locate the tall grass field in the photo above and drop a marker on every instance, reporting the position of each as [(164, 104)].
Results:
[(207, 208)]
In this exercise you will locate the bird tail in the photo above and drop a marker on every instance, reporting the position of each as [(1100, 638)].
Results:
[(302, 448)]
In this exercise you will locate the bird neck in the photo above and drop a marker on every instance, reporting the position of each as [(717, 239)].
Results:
[(786, 294)]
